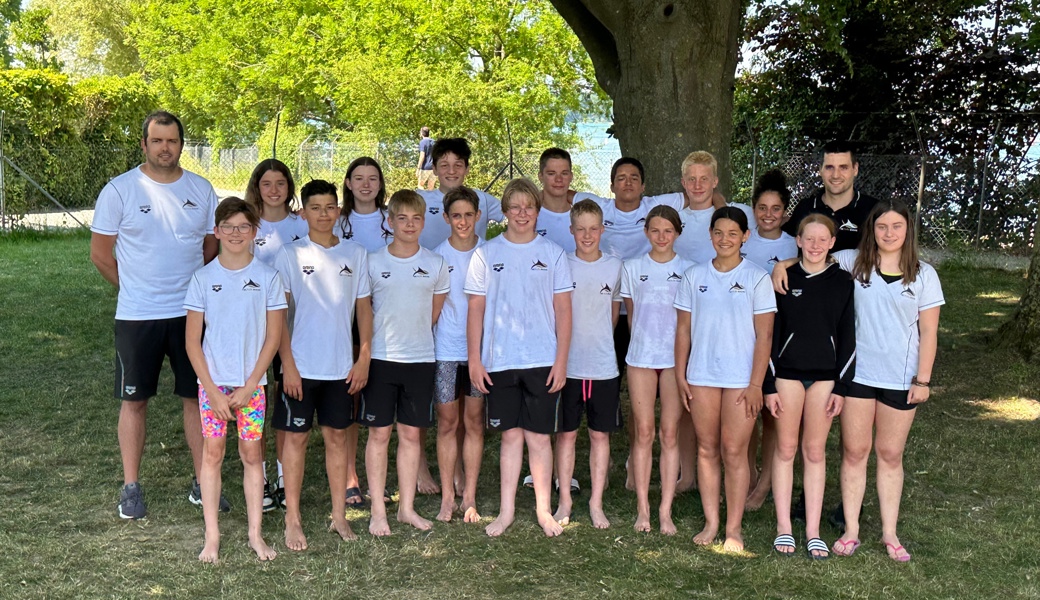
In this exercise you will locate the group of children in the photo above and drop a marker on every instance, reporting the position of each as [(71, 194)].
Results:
[(399, 313)]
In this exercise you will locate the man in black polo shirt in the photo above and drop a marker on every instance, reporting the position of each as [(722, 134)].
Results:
[(839, 199)]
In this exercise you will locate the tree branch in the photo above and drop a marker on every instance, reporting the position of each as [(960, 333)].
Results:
[(596, 37)]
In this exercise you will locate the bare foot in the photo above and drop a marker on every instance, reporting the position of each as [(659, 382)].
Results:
[(426, 483), (499, 525), (549, 525), (758, 495), (263, 551), (294, 538), (707, 535), (447, 510), (599, 519), (642, 523), (563, 515), (342, 527), (667, 526), (629, 484), (210, 550), (734, 542), (378, 526), (412, 518), (470, 514)]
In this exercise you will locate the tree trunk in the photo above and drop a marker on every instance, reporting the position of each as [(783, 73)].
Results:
[(1022, 332), (669, 68)]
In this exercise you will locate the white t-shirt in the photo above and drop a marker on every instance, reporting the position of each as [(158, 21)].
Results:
[(651, 286), (722, 323), (623, 234), (695, 242), (597, 286), (371, 230), (519, 282), (436, 230), (450, 331), (888, 339), (234, 305), (272, 235), (402, 303), (325, 284), (557, 226), (765, 252), (159, 229)]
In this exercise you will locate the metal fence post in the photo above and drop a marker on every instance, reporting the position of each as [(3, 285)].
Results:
[(982, 190), (920, 183)]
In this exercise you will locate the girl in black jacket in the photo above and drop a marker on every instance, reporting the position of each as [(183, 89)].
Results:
[(811, 364)]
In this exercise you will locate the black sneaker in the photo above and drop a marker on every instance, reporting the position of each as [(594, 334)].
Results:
[(837, 518), (131, 502), (272, 496), (195, 497), (798, 508)]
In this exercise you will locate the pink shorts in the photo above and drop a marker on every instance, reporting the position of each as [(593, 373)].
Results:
[(250, 418)]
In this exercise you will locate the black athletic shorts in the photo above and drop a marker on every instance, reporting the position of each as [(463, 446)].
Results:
[(398, 392), (897, 399), (600, 399), (329, 398), (520, 398), (140, 348)]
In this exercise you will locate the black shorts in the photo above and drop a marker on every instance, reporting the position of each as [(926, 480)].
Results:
[(140, 348), (401, 392), (897, 399), (520, 398), (600, 399), (622, 337), (329, 398)]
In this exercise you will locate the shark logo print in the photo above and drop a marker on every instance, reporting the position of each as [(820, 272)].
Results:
[(189, 205), (674, 277), (908, 293), (605, 290), (538, 266), (345, 271), (420, 272), (736, 288), (848, 226), (251, 285)]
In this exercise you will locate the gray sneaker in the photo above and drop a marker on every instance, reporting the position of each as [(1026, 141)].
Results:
[(195, 497), (131, 502)]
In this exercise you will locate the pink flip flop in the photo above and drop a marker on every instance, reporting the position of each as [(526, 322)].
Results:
[(847, 547), (894, 550)]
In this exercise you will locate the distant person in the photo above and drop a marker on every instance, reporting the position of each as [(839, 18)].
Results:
[(424, 170), (838, 199), (240, 302), (152, 229)]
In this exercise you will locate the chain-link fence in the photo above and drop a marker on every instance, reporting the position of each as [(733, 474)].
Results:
[(965, 201)]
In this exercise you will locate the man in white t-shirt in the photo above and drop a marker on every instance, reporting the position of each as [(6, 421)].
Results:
[(518, 336), (152, 229), (451, 165), (409, 285), (700, 178)]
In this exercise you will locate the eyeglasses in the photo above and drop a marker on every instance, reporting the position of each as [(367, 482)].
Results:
[(229, 229), (518, 210)]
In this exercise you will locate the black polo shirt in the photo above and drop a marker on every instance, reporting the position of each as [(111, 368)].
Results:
[(848, 220)]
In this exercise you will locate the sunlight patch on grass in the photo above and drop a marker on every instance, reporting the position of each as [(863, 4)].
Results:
[(995, 313), (1001, 297), (1010, 409)]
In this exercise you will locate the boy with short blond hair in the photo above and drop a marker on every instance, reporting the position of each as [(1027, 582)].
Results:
[(241, 303), (593, 380), (409, 285), (518, 336)]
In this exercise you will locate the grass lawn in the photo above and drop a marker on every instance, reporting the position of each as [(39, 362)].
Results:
[(969, 510)]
